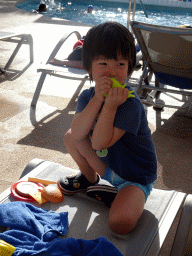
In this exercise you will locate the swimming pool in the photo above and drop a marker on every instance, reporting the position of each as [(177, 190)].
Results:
[(109, 11)]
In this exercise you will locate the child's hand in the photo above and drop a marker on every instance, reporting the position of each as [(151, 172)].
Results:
[(116, 97), (102, 86)]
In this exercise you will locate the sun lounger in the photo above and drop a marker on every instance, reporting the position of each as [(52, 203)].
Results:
[(63, 71), (88, 218), (19, 39), (182, 243), (166, 54)]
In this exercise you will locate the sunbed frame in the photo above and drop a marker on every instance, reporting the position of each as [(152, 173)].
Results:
[(63, 71), (167, 54), (19, 39), (88, 218)]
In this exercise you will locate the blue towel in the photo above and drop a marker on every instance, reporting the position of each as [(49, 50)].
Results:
[(40, 224), (34, 230), (80, 247)]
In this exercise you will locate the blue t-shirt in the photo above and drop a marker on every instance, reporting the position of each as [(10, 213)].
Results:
[(133, 157)]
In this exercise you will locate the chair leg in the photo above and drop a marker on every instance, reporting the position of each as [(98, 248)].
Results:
[(148, 77), (2, 71), (189, 104), (14, 54), (158, 93), (145, 71), (24, 39), (30, 42), (147, 80), (38, 89)]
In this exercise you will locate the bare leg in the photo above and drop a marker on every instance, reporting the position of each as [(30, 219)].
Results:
[(85, 157), (126, 209)]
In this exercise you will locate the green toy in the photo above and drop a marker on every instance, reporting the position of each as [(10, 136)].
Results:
[(117, 84)]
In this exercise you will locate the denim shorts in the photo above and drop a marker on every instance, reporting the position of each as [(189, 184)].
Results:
[(120, 183)]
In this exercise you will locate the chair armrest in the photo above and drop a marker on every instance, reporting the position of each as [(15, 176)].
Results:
[(61, 42)]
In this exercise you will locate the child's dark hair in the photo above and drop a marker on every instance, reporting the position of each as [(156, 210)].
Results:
[(108, 39)]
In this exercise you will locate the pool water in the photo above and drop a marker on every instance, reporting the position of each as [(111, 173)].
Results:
[(75, 10)]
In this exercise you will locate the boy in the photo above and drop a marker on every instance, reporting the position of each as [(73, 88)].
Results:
[(109, 136)]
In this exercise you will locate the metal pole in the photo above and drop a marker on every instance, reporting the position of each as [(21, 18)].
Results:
[(129, 13), (134, 7), (142, 5)]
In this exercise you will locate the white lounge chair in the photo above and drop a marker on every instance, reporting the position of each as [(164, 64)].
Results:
[(63, 71), (19, 39), (88, 218), (167, 53), (182, 243)]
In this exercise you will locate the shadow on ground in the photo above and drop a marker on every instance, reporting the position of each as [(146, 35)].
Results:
[(173, 143), (49, 131)]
